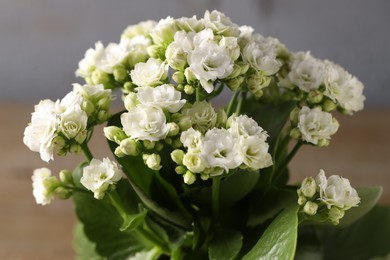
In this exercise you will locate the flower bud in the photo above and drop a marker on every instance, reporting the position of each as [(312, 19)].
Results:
[(294, 115), (295, 133), (104, 103), (102, 116), (130, 146), (59, 142), (177, 156), (308, 187), (189, 90), (155, 51), (323, 142), (179, 77), (189, 178), (119, 153), (128, 86), (81, 136), (189, 75), (185, 123), (114, 134), (310, 208), (180, 169), (180, 87), (301, 200), (88, 107), (315, 96), (236, 71), (221, 117), (152, 161), (136, 57), (168, 140), (329, 105), (244, 67), (131, 100), (62, 193), (66, 177), (120, 73), (335, 214), (149, 145), (75, 148), (176, 143), (173, 129), (234, 83), (100, 77), (159, 146)]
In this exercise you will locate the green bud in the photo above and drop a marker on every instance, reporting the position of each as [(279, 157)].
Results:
[(189, 90), (189, 75), (89, 81), (295, 133), (329, 105), (128, 86), (136, 57), (159, 146), (177, 156), (221, 117), (234, 83), (119, 153), (75, 148), (152, 161), (59, 142), (149, 145), (100, 77), (62, 193), (323, 142), (189, 178), (104, 103), (310, 208), (81, 136), (62, 152), (180, 169), (185, 123), (120, 73), (131, 100), (66, 177), (179, 77), (130, 146), (236, 71), (176, 143), (315, 96), (244, 67), (294, 115), (173, 129), (308, 187), (335, 214), (114, 134), (180, 87), (301, 200), (102, 116), (168, 140), (156, 51), (88, 107)]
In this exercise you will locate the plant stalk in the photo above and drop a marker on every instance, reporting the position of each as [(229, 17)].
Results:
[(87, 153)]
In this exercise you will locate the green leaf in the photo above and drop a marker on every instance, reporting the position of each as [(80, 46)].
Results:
[(279, 239), (102, 223), (225, 244), (369, 197), (85, 249), (367, 238)]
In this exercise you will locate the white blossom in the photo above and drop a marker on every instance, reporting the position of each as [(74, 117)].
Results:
[(163, 96), (191, 139), (140, 29), (43, 186), (194, 162), (150, 73), (190, 24), (202, 115), (88, 63), (99, 175), (92, 92), (254, 152), (220, 23), (336, 191), (243, 125), (145, 122), (39, 134), (73, 121), (316, 125), (164, 31), (113, 55)]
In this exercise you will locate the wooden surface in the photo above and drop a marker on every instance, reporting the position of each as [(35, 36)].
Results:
[(360, 151)]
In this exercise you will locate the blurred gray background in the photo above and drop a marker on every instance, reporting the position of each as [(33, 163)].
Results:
[(42, 41)]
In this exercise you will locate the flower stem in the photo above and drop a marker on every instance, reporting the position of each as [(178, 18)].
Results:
[(240, 102), (291, 155), (233, 100), (215, 196), (87, 153), (198, 94)]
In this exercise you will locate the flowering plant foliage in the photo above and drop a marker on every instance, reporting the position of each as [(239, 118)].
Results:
[(193, 181)]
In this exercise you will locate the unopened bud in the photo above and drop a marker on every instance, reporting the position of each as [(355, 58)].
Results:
[(189, 90), (236, 71), (185, 123), (131, 100), (59, 142), (173, 129), (177, 156), (189, 178), (294, 114), (114, 134), (159, 146), (189, 75), (130, 146), (323, 142), (75, 148), (128, 86), (62, 193), (178, 77), (301, 200), (152, 161), (180, 169), (221, 117), (244, 67), (315, 96), (310, 208), (81, 136), (335, 214), (234, 83), (295, 133), (88, 107), (102, 116), (66, 177), (120, 73), (329, 105), (100, 77), (149, 145), (308, 187), (118, 152)]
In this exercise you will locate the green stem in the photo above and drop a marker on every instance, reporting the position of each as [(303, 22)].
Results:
[(150, 239), (199, 94), (240, 102), (232, 102), (215, 196), (87, 153), (291, 155)]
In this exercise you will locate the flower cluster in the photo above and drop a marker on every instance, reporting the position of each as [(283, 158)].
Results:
[(178, 152), (326, 199)]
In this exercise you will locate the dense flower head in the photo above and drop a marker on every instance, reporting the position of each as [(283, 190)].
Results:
[(44, 185)]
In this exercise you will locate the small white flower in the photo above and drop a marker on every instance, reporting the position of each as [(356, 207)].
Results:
[(151, 73), (164, 31), (316, 125), (70, 100), (243, 125), (190, 24), (113, 55), (163, 96), (202, 115), (220, 23), (99, 175), (254, 152), (219, 149), (145, 122), (231, 45), (306, 72), (44, 185), (73, 121), (191, 139), (91, 57), (142, 28), (336, 191), (39, 134), (194, 162), (94, 93), (152, 161)]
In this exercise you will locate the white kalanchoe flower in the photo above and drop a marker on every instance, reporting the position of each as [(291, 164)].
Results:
[(93, 93), (194, 161), (307, 73), (73, 122), (316, 126), (209, 61), (202, 115), (70, 100), (142, 28), (243, 125), (254, 152), (191, 139), (39, 134), (191, 24), (220, 23), (99, 175), (336, 191), (91, 57), (145, 122), (219, 149), (114, 54), (177, 52), (151, 73), (44, 185), (164, 31), (343, 88), (164, 96)]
